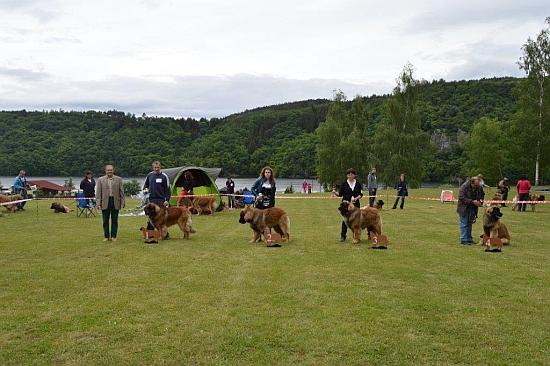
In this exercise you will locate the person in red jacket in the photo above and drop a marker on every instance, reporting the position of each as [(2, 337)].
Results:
[(523, 187)]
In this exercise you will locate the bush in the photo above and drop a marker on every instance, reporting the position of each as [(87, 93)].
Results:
[(132, 188)]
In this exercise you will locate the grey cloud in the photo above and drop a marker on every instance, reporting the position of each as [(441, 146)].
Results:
[(23, 75), (445, 15), (188, 96)]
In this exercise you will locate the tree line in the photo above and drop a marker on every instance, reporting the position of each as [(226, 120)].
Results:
[(66, 143)]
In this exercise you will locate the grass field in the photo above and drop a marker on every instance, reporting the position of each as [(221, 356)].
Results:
[(67, 298)]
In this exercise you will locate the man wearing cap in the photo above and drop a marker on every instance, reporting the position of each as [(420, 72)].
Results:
[(504, 188)]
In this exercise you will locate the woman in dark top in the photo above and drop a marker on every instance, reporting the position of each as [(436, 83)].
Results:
[(264, 189), (402, 191), (350, 190), (88, 186)]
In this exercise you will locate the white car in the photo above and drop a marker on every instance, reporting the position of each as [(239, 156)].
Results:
[(5, 190)]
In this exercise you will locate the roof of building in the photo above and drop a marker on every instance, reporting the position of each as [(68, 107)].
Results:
[(48, 185)]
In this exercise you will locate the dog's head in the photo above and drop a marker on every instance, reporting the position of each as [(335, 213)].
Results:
[(151, 209), (54, 205), (540, 198), (245, 215), (379, 204), (346, 207), (494, 212)]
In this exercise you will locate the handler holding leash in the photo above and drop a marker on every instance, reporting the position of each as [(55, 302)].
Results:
[(470, 198), (20, 186), (350, 190), (158, 186)]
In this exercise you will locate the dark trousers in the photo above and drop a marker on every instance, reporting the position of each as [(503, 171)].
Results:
[(523, 197), (402, 202), (110, 214), (372, 196), (344, 231), (504, 198)]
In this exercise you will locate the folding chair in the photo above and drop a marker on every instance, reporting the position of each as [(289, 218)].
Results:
[(447, 196), (248, 198), (83, 207)]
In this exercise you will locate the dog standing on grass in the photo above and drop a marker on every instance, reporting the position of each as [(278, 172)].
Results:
[(268, 218), (163, 217), (358, 219)]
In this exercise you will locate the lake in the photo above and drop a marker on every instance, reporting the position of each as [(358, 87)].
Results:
[(240, 183)]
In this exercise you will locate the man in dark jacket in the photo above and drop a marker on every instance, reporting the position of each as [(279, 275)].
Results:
[(470, 198)]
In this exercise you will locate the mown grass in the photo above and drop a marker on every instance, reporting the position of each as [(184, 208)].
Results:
[(68, 298)]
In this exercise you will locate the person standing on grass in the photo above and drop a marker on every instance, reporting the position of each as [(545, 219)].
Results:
[(372, 186), (230, 186), (402, 191), (110, 199), (523, 187), (20, 186), (350, 190), (264, 190), (88, 187), (470, 198), (504, 188), (158, 186), (187, 190)]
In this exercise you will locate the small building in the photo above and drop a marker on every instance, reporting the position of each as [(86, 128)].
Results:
[(48, 188)]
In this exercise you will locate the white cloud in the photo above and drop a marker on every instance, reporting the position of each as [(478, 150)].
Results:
[(212, 58)]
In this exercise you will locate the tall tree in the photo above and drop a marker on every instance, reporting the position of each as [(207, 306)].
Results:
[(536, 63), (343, 140), (400, 143), (484, 151)]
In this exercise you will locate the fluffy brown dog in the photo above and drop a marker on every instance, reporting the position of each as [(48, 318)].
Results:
[(59, 208), (493, 227), (14, 197), (532, 197), (201, 204), (358, 219), (268, 218), (163, 217)]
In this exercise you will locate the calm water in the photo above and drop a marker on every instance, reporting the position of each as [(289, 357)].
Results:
[(240, 183)]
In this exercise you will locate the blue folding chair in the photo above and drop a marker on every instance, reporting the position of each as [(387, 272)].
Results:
[(248, 198), (83, 207)]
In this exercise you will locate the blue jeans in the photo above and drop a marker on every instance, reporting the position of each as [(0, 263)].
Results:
[(23, 194), (466, 226)]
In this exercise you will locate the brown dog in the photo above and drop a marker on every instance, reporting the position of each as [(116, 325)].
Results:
[(496, 197), (493, 227), (163, 217), (268, 218), (201, 204), (59, 208), (14, 197), (532, 197), (358, 219)]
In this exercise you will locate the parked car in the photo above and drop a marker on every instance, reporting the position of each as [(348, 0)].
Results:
[(5, 190)]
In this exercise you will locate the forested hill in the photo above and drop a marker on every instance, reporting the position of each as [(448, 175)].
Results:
[(66, 143)]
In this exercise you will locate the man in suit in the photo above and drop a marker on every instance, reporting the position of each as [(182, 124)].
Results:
[(110, 199)]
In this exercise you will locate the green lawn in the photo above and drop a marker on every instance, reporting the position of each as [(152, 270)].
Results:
[(67, 298)]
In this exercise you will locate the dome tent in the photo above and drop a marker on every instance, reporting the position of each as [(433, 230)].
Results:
[(205, 182)]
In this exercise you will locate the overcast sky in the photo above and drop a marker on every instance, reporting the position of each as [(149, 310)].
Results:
[(211, 58)]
